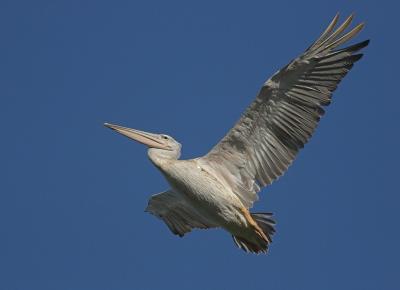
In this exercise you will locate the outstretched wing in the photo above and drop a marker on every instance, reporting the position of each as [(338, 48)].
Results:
[(266, 139), (178, 215)]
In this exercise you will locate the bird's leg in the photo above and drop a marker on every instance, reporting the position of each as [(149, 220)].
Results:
[(252, 223)]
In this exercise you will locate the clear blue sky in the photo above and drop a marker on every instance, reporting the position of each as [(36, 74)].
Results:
[(73, 193)]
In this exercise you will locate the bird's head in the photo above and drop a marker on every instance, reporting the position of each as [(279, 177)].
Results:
[(161, 143)]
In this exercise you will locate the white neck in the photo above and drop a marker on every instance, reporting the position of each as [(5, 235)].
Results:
[(159, 156)]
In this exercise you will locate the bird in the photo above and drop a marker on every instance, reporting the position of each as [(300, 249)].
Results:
[(218, 189)]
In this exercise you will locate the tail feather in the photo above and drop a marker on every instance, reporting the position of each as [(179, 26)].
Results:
[(266, 223), (249, 246)]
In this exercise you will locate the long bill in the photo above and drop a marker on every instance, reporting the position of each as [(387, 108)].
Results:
[(149, 139)]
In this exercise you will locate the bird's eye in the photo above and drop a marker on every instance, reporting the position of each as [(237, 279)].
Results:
[(164, 137)]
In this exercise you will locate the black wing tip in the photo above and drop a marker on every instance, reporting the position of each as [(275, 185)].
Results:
[(366, 42), (361, 45), (356, 57), (353, 48)]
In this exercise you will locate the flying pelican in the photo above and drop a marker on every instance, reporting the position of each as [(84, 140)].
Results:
[(218, 189)]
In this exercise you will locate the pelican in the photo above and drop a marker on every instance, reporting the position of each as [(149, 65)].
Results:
[(218, 189)]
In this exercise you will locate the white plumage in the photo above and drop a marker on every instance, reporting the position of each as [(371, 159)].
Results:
[(218, 189)]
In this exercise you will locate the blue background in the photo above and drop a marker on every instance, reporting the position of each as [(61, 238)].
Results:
[(73, 193)]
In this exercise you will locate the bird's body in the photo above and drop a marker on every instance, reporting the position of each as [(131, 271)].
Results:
[(209, 200), (218, 189), (203, 192)]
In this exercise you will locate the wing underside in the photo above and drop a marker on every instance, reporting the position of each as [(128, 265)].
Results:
[(178, 215), (284, 115)]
